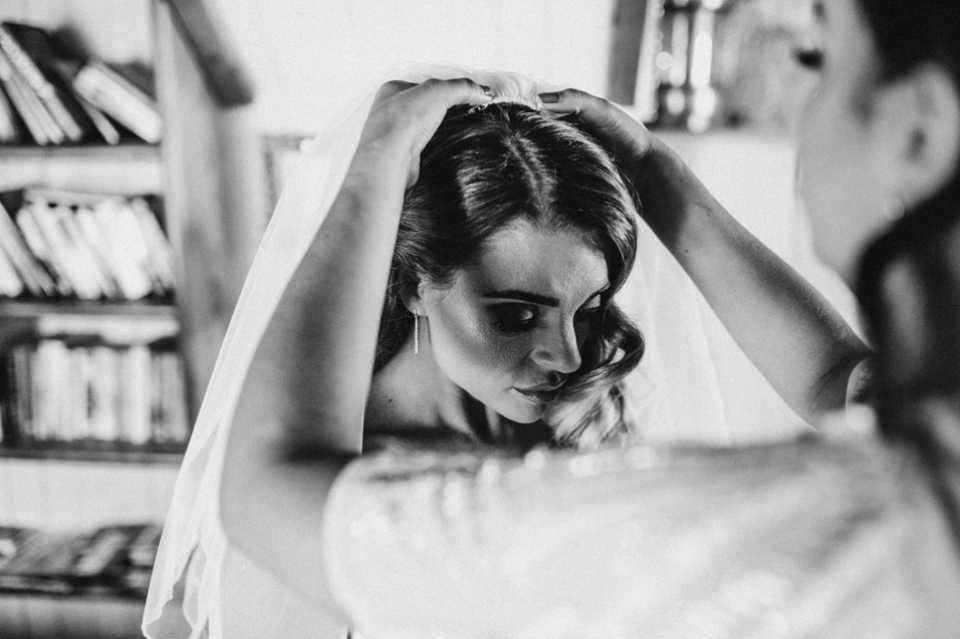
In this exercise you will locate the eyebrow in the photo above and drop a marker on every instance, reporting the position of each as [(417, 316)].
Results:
[(533, 298)]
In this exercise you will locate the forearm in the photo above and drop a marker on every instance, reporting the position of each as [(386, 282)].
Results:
[(783, 325)]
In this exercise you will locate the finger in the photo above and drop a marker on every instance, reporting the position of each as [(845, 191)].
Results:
[(459, 91), (392, 88), (569, 101)]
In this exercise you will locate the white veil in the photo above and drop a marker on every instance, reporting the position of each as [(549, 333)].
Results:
[(201, 585)]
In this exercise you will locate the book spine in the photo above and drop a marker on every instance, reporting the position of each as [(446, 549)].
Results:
[(36, 279), (85, 254), (103, 124), (106, 403), (136, 391), (21, 101), (41, 249), (102, 89), (9, 126), (23, 358), (10, 283), (63, 251), (40, 85), (125, 251), (159, 251)]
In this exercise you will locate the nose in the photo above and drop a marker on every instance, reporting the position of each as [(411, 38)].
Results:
[(558, 350)]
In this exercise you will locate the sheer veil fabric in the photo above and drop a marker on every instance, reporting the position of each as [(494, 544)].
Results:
[(204, 587)]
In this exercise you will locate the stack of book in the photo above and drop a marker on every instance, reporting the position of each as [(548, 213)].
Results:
[(51, 95), (86, 391), (114, 560), (88, 246)]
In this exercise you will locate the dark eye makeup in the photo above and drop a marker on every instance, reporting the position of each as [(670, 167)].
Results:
[(512, 317)]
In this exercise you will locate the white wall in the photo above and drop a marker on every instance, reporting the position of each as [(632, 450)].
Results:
[(312, 59)]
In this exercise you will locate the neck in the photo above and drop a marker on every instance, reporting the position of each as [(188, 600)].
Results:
[(411, 390)]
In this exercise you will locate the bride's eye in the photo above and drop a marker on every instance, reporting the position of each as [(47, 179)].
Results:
[(513, 318), (809, 57)]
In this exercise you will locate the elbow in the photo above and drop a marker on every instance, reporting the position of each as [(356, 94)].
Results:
[(831, 391)]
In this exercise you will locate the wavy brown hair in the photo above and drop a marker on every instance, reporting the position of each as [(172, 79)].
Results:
[(486, 168)]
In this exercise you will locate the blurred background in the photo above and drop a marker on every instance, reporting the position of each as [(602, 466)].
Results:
[(142, 146)]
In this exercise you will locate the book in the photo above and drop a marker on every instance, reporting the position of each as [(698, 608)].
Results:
[(34, 276), (10, 130), (107, 130), (62, 251), (115, 559), (43, 563), (10, 283), (106, 88), (32, 54), (41, 250), (82, 388), (159, 252), (97, 245), (12, 541), (23, 101)]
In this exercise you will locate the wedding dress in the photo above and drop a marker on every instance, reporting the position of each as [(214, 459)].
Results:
[(638, 542), (837, 539)]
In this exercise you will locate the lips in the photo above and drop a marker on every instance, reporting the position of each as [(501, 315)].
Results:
[(543, 394)]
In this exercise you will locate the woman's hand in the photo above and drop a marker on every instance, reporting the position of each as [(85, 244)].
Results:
[(627, 139), (404, 117), (664, 184)]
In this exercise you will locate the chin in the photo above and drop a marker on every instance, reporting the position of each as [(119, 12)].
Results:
[(519, 413), (522, 414)]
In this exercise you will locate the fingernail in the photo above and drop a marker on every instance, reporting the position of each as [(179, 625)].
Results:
[(549, 98)]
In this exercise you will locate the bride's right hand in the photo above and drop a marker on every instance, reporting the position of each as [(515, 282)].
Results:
[(404, 117)]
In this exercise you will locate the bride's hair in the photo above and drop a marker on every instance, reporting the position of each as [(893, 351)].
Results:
[(487, 167)]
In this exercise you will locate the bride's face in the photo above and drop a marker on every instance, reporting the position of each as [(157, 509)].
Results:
[(510, 328)]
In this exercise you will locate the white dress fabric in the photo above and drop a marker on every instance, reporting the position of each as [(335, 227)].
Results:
[(201, 585), (812, 539)]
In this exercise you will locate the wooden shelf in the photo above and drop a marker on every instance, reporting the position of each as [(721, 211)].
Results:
[(113, 452), (17, 309), (41, 616), (87, 594), (128, 151)]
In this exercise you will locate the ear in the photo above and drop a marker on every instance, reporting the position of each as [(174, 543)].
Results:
[(411, 297), (923, 123)]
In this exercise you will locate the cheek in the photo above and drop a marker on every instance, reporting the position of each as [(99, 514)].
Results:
[(467, 348), (839, 193)]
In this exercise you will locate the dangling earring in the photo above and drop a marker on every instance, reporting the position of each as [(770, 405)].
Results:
[(416, 332), (893, 208)]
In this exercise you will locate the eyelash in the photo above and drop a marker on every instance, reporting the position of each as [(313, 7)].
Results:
[(506, 317), (809, 58)]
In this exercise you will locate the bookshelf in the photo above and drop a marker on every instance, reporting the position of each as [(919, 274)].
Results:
[(206, 173)]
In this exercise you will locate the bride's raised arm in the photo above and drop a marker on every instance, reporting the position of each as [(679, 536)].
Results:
[(301, 409), (787, 329)]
